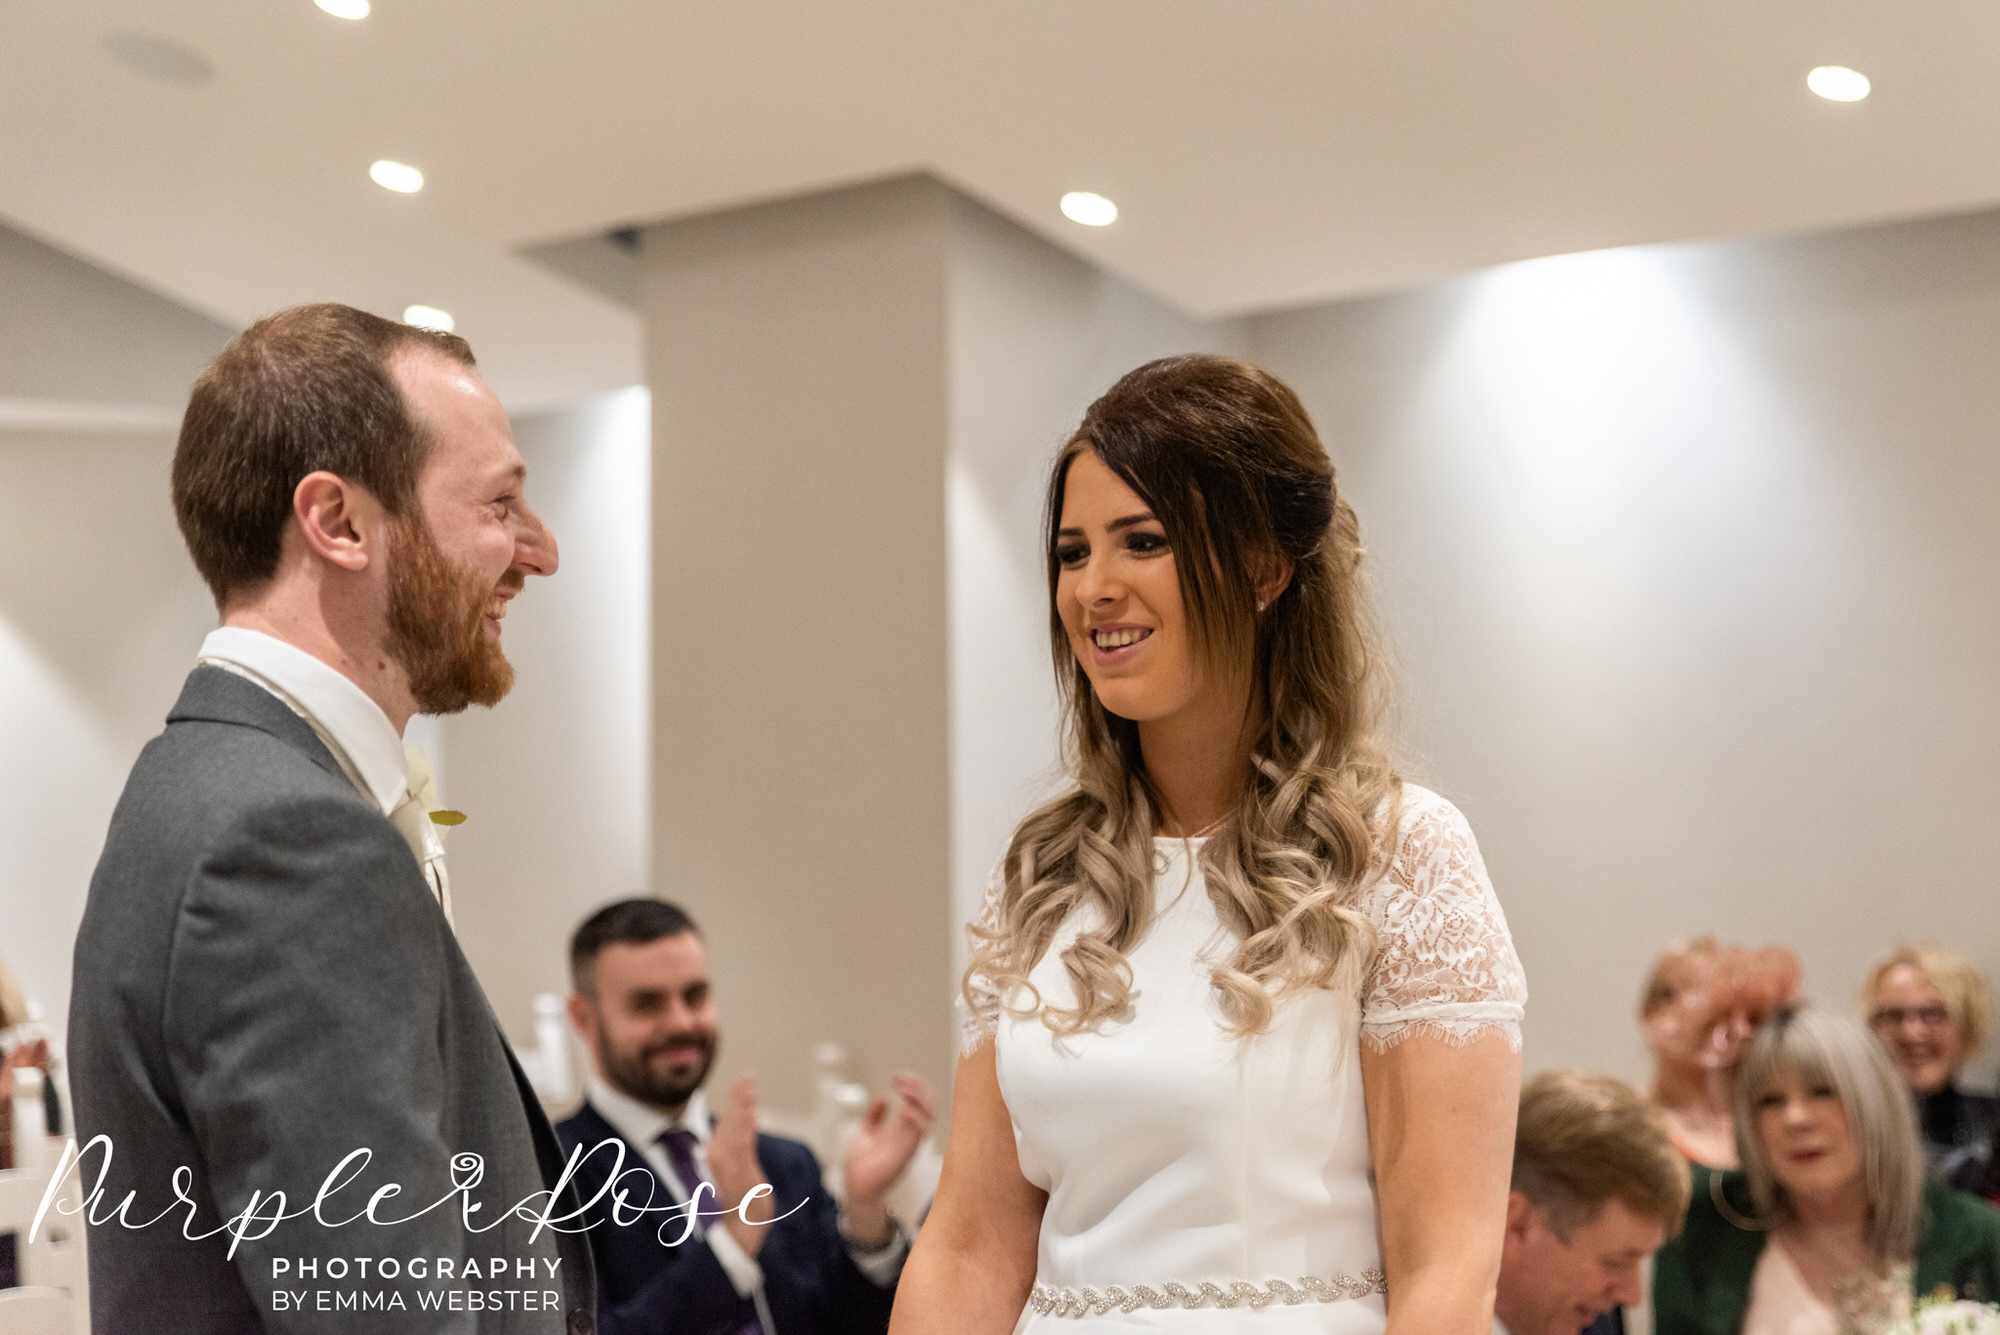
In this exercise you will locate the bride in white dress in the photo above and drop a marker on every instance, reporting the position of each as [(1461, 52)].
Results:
[(1242, 1020)]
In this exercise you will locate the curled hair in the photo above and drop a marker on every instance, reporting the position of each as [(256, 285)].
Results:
[(1228, 461), (1807, 1048), (1953, 976)]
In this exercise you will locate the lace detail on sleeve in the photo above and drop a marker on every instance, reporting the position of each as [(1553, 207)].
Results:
[(976, 1022), (1444, 963)]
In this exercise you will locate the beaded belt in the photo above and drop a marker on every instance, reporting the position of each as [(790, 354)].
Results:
[(1048, 1300)]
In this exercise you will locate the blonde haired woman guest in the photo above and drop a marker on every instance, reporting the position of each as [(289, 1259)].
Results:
[(1928, 1007), (1701, 1004), (1830, 1228), (1241, 993)]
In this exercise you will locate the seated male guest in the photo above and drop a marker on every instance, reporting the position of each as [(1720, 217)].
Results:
[(1598, 1186), (787, 1262)]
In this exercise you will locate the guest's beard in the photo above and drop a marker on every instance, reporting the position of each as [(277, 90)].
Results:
[(634, 1074), (436, 624)]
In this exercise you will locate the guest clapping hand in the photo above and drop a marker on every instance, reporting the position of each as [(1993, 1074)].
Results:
[(881, 1149)]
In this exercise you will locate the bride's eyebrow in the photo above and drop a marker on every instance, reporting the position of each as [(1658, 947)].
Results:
[(1143, 517)]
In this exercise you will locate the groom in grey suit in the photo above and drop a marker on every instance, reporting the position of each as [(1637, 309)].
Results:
[(275, 1040)]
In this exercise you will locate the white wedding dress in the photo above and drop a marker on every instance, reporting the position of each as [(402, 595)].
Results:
[(1199, 1183)]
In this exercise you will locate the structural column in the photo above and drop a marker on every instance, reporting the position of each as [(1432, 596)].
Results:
[(796, 355)]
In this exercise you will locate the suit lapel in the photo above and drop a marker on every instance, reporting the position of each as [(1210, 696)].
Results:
[(212, 695)]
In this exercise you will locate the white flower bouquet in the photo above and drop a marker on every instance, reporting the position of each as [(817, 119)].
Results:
[(1946, 1317)]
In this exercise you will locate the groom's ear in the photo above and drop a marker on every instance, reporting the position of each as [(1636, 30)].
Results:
[(339, 521)]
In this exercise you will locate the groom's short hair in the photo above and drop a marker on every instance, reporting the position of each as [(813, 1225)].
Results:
[(1584, 1139), (632, 922), (297, 392)]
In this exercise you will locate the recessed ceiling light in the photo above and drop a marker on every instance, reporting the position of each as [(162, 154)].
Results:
[(159, 58), (397, 176), (1088, 209), (344, 9), (428, 317), (1837, 83)]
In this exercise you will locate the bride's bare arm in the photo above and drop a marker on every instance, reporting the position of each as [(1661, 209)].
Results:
[(974, 1261), (1441, 1132)]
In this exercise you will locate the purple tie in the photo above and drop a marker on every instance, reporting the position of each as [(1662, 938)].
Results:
[(678, 1141)]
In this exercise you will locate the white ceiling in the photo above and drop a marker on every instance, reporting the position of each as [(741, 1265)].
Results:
[(1264, 152)]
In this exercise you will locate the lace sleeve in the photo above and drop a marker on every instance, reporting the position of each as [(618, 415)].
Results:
[(1444, 964), (975, 1022)]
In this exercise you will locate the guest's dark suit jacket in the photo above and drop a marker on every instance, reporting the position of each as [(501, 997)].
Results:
[(646, 1287), (263, 984)]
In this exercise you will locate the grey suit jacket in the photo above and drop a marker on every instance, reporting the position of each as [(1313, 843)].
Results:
[(264, 984)]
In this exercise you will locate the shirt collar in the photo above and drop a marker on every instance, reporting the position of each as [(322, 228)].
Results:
[(355, 722), (642, 1123)]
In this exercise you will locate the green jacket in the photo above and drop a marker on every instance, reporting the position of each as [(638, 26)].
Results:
[(1701, 1280)]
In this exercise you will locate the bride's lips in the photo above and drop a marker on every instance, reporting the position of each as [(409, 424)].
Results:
[(1116, 643)]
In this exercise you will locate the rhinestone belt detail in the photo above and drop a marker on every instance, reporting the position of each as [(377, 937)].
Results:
[(1048, 1300)]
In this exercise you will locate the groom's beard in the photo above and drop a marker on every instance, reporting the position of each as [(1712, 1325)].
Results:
[(635, 1074), (437, 630)]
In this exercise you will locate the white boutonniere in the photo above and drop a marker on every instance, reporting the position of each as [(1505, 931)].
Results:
[(423, 787)]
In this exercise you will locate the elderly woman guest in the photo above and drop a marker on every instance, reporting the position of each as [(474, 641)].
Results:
[(1928, 1005), (1243, 1010), (1701, 1004), (1831, 1227)]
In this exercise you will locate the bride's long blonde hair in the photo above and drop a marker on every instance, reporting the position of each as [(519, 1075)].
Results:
[(1228, 460)]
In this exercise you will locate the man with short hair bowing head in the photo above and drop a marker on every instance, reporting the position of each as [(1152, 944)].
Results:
[(1597, 1188), (266, 977), (780, 1261)]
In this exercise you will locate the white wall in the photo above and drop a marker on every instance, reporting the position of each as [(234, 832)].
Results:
[(796, 354), (556, 779), (72, 334), (100, 617), (100, 611), (1690, 556)]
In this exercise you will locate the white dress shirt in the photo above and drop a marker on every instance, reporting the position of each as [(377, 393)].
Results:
[(352, 726), (642, 1125)]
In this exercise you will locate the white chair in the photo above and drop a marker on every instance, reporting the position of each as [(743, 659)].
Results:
[(38, 1311), (547, 1064), (55, 1297)]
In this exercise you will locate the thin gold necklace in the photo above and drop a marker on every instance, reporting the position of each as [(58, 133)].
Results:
[(1204, 831)]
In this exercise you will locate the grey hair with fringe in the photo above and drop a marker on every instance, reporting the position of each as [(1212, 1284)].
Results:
[(1812, 1048)]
